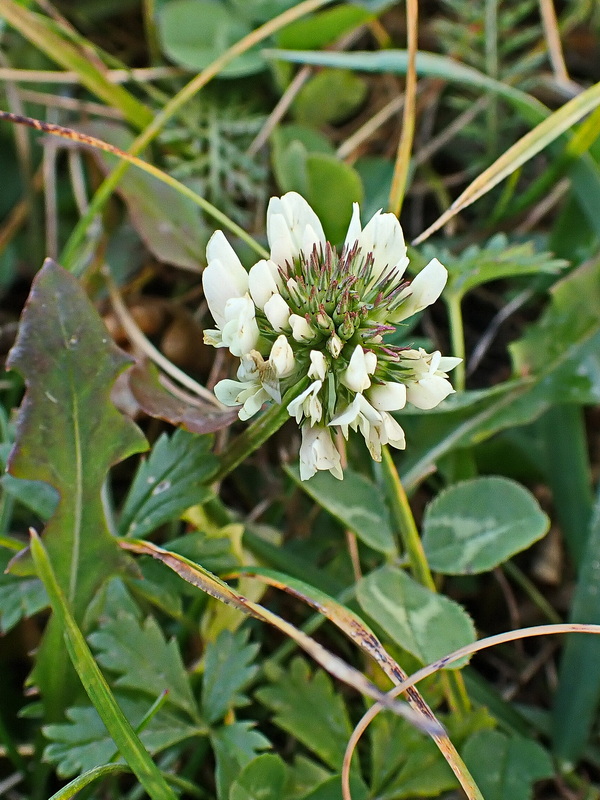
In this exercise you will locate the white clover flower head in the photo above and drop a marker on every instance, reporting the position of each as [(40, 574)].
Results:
[(311, 312)]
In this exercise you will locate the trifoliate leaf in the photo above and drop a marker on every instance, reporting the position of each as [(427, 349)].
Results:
[(475, 525), (228, 668), (307, 706), (168, 482), (144, 660), (427, 624)]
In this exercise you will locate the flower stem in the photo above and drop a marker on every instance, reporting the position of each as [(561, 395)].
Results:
[(457, 333), (454, 686), (258, 433)]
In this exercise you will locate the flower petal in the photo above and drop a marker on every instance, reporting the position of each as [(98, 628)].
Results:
[(423, 290), (240, 332), (387, 396), (277, 312), (382, 236), (318, 452), (356, 376), (282, 357), (263, 281), (292, 228), (224, 277), (429, 391)]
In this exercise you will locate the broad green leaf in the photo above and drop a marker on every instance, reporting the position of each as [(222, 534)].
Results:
[(307, 707), (42, 32), (475, 525), (194, 33), (19, 597), (506, 768), (329, 97), (356, 502), (578, 693), (332, 187), (83, 742), (235, 746), (427, 624), (144, 660), (228, 668), (167, 482), (319, 30), (69, 434), (262, 779)]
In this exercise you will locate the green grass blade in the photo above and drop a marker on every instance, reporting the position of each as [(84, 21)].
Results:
[(81, 781), (578, 693), (429, 65), (40, 31), (568, 473), (94, 683)]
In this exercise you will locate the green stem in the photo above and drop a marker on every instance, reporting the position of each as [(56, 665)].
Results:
[(403, 516), (457, 334), (258, 433), (456, 692)]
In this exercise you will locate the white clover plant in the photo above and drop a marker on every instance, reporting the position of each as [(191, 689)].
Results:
[(309, 312)]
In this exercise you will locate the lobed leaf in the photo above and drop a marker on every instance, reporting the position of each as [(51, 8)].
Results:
[(235, 746), (262, 779), (307, 707), (228, 668), (143, 660), (82, 743)]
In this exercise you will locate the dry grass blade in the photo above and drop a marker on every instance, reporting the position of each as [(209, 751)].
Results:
[(475, 647), (523, 150), (91, 141), (214, 586), (400, 176), (356, 630)]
